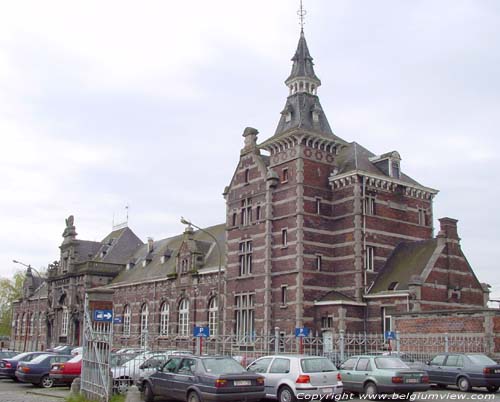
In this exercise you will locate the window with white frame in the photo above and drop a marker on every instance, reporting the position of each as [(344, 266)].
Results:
[(245, 317), (284, 289), (369, 205), (284, 175), (18, 326), (164, 318), (213, 316), (421, 216), (246, 211), (318, 206), (23, 325), (370, 258), (144, 318), (40, 324), (319, 262), (284, 237), (64, 321), (386, 320), (183, 325), (395, 169), (32, 324), (258, 213), (126, 320), (327, 322), (245, 257)]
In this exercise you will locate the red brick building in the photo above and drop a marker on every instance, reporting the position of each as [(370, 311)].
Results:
[(320, 232)]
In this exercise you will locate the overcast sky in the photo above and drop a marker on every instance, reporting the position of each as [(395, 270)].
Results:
[(109, 103)]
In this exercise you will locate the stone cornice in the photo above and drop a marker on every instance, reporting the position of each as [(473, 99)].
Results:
[(382, 182)]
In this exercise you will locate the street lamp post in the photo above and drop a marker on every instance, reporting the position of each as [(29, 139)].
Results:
[(37, 325), (219, 281)]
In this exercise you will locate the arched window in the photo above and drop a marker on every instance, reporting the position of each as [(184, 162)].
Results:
[(183, 329), (32, 324), (18, 326), (40, 324), (64, 321), (126, 320), (213, 311), (23, 325), (144, 318), (164, 312)]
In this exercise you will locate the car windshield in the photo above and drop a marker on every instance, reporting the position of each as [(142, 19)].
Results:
[(481, 360), (222, 366), (20, 356), (118, 360), (318, 365), (39, 359), (75, 359), (390, 363)]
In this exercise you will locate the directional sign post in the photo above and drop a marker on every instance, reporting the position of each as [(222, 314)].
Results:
[(301, 333), (103, 315), (390, 336), (200, 333)]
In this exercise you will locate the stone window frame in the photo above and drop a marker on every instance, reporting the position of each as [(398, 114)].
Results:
[(213, 315), (319, 262), (127, 315), (245, 257), (370, 259), (284, 237), (327, 322), (31, 330), (385, 317), (369, 205), (318, 205), (284, 296), (164, 318), (64, 321), (144, 319), (285, 175), (246, 211), (183, 318), (244, 311)]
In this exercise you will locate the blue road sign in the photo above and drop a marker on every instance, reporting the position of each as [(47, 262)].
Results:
[(103, 315), (201, 332), (118, 320), (390, 335), (301, 332)]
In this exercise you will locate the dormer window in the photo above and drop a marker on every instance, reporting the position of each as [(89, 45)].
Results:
[(184, 265), (395, 170)]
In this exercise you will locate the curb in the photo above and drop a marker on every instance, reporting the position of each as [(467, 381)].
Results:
[(45, 394)]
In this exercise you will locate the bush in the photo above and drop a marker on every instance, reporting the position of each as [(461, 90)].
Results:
[(81, 398)]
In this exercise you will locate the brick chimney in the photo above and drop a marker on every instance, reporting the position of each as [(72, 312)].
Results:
[(150, 244), (449, 229)]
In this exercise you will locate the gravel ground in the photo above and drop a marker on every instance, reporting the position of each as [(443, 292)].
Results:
[(19, 392)]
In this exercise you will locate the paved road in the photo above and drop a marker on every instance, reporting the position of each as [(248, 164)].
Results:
[(18, 392)]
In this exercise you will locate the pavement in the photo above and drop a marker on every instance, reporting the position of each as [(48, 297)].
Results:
[(11, 391)]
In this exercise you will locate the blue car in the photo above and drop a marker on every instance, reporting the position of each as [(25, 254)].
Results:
[(8, 366), (37, 370)]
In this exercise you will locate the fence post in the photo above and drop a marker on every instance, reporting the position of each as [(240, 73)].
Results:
[(276, 340), (446, 343), (341, 345)]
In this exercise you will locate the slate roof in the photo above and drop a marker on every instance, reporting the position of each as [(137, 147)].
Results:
[(333, 295), (303, 65), (85, 250), (118, 246), (407, 259), (154, 268), (40, 291), (356, 157)]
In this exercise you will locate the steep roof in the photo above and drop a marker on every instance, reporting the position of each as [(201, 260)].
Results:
[(169, 247), (407, 259), (303, 65), (356, 157), (118, 246)]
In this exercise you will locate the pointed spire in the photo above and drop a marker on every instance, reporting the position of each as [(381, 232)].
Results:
[(302, 77)]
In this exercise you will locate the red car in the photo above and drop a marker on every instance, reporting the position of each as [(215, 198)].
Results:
[(66, 372)]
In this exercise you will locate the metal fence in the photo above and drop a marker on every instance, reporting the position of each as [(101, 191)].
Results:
[(152, 350)]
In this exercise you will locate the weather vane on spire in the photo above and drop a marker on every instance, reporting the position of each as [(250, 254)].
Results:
[(301, 13)]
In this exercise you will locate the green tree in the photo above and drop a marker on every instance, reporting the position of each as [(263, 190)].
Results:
[(10, 291)]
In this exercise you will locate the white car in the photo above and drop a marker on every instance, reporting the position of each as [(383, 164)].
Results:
[(297, 377)]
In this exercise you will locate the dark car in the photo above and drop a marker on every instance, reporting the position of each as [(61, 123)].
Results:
[(203, 378), (62, 349), (465, 370), (8, 366), (37, 370)]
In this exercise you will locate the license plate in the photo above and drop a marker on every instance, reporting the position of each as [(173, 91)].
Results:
[(242, 383), (411, 380), (327, 390)]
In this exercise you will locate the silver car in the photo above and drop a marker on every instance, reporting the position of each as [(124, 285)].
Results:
[(292, 377)]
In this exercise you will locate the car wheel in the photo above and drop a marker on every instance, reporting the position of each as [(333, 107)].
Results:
[(370, 390), (122, 385), (46, 382), (149, 396), (463, 384), (193, 397), (285, 394), (492, 388)]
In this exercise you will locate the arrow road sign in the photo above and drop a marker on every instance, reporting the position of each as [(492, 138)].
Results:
[(103, 315), (390, 335), (201, 332)]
